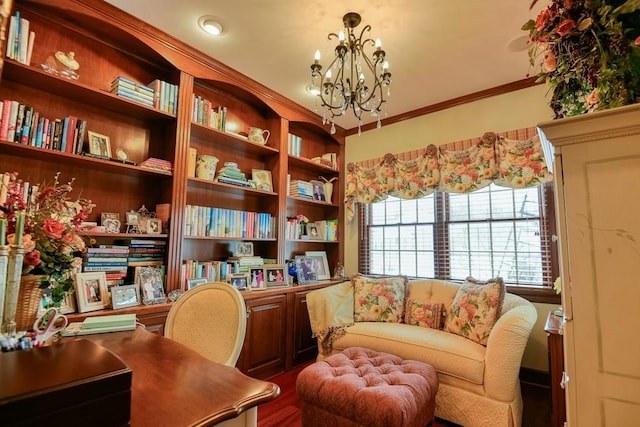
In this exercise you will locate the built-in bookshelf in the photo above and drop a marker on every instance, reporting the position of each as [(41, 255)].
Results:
[(150, 145)]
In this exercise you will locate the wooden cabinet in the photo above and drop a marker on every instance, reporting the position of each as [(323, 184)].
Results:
[(304, 345), (596, 168), (553, 328)]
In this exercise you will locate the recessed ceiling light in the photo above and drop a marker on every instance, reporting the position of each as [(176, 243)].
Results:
[(519, 43), (210, 25)]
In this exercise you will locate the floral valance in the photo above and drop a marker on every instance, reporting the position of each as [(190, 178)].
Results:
[(514, 163)]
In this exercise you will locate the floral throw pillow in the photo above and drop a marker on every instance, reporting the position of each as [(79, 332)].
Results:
[(475, 309), (378, 299), (423, 314)]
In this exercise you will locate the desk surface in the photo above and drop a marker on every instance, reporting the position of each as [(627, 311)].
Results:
[(175, 386)]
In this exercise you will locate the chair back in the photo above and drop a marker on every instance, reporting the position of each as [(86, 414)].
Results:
[(210, 319)]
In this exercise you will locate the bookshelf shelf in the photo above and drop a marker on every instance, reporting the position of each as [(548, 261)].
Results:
[(310, 165), (229, 141), (229, 188)]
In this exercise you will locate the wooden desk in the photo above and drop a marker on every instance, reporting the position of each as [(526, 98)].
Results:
[(556, 367), (175, 386)]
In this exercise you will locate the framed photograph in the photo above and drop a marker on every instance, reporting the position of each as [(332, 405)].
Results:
[(275, 275), (313, 231), (192, 283), (125, 296), (111, 225), (154, 226), (239, 280), (151, 281), (133, 218), (244, 249), (262, 178), (304, 267), (91, 291), (256, 278), (108, 215), (100, 145), (67, 306), (318, 190), (320, 264)]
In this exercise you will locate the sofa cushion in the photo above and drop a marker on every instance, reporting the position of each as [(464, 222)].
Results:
[(378, 299), (475, 309), (421, 313), (449, 354)]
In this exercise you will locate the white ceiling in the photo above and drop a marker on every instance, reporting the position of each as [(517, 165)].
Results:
[(437, 49)]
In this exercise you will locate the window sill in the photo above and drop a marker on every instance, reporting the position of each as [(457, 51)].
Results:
[(534, 294)]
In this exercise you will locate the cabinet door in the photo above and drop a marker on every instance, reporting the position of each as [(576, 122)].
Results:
[(599, 165), (264, 350), (304, 345)]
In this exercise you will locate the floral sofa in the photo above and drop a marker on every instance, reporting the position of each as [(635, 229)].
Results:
[(473, 334)]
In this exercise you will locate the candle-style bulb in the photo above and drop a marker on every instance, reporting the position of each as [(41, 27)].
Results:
[(341, 36), (328, 74), (378, 44), (317, 56), (385, 65)]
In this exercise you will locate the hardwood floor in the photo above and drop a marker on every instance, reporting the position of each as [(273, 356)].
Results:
[(285, 410)]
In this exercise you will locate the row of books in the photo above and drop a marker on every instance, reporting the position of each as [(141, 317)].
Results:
[(23, 189), (294, 145), (20, 39), (23, 124), (158, 93), (209, 221), (325, 229), (207, 114), (329, 160), (213, 271)]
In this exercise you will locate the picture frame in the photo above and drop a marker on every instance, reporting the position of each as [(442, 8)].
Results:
[(108, 215), (313, 231), (320, 264), (257, 278), (318, 190), (91, 291), (111, 225), (99, 145), (192, 283), (304, 270), (275, 275), (150, 278), (133, 218), (125, 296), (239, 280), (244, 249), (154, 226), (67, 306), (262, 179)]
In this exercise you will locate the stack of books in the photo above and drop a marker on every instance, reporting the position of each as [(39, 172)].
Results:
[(157, 164), (230, 173), (112, 259), (146, 252), (301, 189), (133, 91)]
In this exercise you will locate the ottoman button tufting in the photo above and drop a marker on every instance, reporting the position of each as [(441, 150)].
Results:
[(362, 387)]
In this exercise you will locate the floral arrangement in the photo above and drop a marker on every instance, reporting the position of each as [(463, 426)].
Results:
[(51, 241), (590, 53)]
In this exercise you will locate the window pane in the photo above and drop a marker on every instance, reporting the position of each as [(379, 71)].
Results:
[(492, 232)]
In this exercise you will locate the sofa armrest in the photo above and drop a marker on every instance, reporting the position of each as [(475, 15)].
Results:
[(505, 347), (330, 311)]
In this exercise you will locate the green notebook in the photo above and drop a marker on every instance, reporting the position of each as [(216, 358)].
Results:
[(110, 321)]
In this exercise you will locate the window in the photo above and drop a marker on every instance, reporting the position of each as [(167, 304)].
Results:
[(491, 232)]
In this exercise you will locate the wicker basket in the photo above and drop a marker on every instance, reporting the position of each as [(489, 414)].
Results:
[(29, 298)]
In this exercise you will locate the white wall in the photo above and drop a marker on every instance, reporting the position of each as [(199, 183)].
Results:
[(515, 110)]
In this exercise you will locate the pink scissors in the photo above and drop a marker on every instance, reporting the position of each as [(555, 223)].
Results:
[(49, 324)]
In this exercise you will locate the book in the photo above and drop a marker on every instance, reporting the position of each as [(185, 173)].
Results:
[(112, 320), (82, 132)]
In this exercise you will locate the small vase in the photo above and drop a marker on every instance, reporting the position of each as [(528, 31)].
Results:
[(328, 191)]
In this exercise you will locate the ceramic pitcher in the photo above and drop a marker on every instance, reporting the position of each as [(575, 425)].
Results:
[(258, 135)]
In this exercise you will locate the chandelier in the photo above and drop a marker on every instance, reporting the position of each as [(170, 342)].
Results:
[(353, 80)]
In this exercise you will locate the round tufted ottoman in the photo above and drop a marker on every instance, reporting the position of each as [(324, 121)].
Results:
[(363, 387)]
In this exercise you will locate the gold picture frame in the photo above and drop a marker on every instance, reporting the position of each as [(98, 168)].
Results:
[(99, 145), (262, 179)]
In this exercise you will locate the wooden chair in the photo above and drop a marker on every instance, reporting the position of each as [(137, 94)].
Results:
[(211, 319)]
